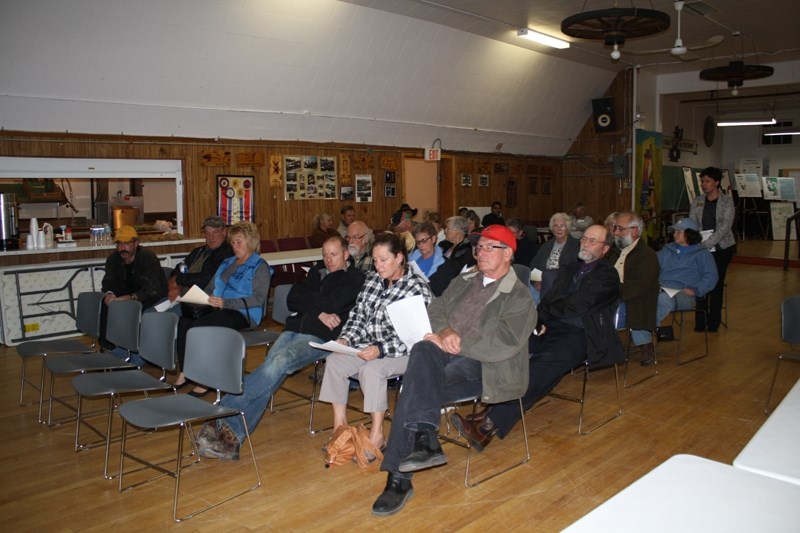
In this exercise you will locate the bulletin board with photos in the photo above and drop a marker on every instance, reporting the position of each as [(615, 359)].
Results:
[(310, 177)]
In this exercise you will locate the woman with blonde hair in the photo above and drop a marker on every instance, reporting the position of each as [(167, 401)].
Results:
[(237, 292)]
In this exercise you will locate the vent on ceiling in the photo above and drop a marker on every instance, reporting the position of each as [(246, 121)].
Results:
[(699, 8)]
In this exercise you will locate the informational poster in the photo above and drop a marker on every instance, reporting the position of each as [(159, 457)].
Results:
[(363, 188), (648, 181), (779, 212), (689, 183), (747, 185), (310, 177), (779, 189)]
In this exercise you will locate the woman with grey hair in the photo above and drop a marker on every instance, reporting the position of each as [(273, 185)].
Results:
[(562, 249), (458, 255)]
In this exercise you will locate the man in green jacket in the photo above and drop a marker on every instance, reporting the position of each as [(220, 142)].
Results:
[(481, 325)]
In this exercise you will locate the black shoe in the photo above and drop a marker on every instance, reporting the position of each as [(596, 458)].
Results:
[(427, 453), (394, 496), (199, 394)]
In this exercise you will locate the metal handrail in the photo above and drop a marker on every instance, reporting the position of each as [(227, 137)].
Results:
[(796, 219)]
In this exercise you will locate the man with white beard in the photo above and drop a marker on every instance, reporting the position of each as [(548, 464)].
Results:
[(359, 238)]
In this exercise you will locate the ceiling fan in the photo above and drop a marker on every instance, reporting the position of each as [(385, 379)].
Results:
[(679, 49)]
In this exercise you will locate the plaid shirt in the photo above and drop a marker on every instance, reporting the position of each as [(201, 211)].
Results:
[(369, 322)]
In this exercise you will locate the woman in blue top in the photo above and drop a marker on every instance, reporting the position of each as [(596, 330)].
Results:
[(238, 292), (687, 270), (426, 255)]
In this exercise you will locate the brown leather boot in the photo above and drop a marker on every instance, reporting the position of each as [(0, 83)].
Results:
[(479, 433)]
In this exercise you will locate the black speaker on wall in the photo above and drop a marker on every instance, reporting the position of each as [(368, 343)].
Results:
[(603, 109)]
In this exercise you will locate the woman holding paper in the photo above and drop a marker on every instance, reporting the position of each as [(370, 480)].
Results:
[(237, 292), (368, 328), (713, 211)]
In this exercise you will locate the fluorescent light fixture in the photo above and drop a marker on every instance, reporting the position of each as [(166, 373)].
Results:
[(541, 38), (747, 122), (785, 131)]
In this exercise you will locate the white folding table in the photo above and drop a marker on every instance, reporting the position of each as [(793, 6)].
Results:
[(687, 493), (775, 448)]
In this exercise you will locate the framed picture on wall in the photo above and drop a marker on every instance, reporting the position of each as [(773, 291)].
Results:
[(545, 185), (389, 191), (390, 176), (235, 198), (466, 180), (483, 180), (533, 185)]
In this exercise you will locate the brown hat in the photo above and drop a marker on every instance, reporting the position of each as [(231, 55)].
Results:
[(497, 232), (125, 234), (406, 207), (213, 222), (401, 215)]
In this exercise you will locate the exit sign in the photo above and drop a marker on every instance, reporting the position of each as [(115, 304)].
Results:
[(433, 154)]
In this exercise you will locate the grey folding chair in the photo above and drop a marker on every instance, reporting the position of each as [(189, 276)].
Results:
[(260, 336), (214, 358), (677, 318), (122, 329), (587, 367), (157, 346), (281, 312), (87, 321), (790, 333), (464, 443)]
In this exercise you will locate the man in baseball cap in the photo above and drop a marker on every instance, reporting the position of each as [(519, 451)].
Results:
[(481, 326), (201, 264), (131, 273)]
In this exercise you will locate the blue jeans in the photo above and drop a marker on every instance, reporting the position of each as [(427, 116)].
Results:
[(681, 302), (638, 336), (289, 354), (432, 378)]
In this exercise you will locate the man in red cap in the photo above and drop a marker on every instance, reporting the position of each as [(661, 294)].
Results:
[(483, 351), (576, 322)]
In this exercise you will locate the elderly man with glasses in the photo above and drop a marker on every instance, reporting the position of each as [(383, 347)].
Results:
[(359, 242), (484, 351), (638, 270), (576, 322)]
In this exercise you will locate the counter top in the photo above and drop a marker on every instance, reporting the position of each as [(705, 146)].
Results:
[(84, 246)]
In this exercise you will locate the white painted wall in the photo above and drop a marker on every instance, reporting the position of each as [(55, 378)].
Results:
[(314, 70)]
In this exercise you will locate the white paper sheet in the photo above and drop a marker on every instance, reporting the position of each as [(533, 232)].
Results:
[(195, 295), (670, 292), (415, 268), (333, 346), (536, 275), (166, 304), (410, 319)]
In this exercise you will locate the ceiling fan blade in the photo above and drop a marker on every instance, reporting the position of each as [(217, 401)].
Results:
[(689, 57), (646, 52), (711, 41)]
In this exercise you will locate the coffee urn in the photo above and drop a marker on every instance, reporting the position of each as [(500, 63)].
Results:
[(9, 234)]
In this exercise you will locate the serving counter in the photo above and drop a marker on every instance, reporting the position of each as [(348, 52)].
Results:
[(39, 288)]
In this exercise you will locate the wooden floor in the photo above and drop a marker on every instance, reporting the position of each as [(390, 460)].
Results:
[(710, 408)]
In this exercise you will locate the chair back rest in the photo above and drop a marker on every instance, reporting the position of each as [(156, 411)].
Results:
[(292, 243), (268, 246), (215, 358), (790, 319), (122, 328), (87, 318), (280, 304), (157, 334), (523, 273)]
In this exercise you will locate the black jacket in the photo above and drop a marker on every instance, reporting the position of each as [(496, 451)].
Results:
[(335, 293), (147, 279), (594, 302), (210, 266), (452, 267)]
